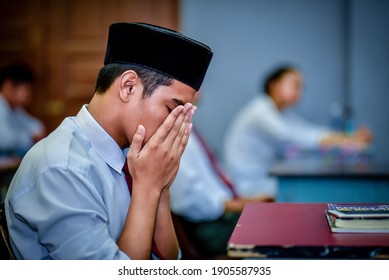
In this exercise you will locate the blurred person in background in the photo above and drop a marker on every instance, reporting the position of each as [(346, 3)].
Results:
[(204, 196), (264, 127), (18, 129)]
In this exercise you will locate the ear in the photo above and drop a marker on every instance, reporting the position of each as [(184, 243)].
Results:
[(128, 84)]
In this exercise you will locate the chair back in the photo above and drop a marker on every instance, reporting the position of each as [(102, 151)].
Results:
[(188, 245), (5, 246)]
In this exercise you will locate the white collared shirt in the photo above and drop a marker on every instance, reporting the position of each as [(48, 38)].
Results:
[(17, 128), (255, 138), (69, 198)]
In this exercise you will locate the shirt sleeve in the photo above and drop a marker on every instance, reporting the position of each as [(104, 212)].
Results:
[(17, 130), (70, 218), (304, 133), (288, 127), (8, 138), (30, 124)]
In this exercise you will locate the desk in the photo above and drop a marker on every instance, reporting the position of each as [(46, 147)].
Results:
[(322, 181), (8, 167), (297, 230)]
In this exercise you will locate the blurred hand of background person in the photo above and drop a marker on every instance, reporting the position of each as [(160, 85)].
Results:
[(364, 134), (359, 140)]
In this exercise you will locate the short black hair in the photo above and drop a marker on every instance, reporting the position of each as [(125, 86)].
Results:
[(276, 74), (151, 79), (18, 73)]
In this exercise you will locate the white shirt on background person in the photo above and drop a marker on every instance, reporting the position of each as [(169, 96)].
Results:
[(255, 138)]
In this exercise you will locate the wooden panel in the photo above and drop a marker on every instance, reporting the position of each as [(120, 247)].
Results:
[(65, 41), (160, 12), (22, 39), (82, 20)]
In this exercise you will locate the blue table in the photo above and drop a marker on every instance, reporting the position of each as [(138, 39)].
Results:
[(332, 181)]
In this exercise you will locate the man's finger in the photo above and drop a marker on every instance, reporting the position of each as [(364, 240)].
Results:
[(172, 122), (161, 133), (137, 141), (182, 137), (178, 126)]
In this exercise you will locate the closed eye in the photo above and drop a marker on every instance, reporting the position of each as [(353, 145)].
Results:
[(174, 104)]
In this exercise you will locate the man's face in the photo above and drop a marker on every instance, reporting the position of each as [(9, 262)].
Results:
[(18, 95), (22, 94), (289, 87), (152, 111)]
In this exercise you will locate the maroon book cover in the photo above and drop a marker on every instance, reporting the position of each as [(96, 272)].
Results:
[(277, 227)]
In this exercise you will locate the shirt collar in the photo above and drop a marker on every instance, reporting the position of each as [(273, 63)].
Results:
[(270, 101), (105, 146)]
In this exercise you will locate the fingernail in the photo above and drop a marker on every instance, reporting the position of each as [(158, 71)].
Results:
[(188, 106), (139, 129), (180, 108)]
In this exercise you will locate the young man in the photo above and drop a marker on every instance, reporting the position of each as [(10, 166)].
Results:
[(69, 198), (18, 129)]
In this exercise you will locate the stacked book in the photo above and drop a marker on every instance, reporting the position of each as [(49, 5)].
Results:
[(362, 218)]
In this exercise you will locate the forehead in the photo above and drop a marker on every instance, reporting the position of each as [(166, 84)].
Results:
[(291, 76), (22, 86), (177, 92)]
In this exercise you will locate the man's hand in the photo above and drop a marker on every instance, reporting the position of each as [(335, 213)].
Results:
[(153, 168), (364, 134), (156, 164)]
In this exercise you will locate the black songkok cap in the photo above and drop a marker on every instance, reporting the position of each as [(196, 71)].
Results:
[(160, 49)]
